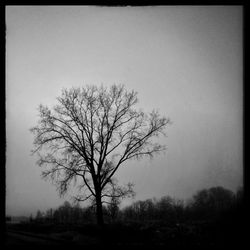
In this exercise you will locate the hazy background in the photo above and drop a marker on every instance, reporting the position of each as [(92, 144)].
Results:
[(185, 61)]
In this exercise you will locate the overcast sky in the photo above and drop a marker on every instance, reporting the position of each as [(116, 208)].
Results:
[(184, 61)]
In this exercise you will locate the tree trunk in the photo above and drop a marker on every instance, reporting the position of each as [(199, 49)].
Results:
[(99, 212)]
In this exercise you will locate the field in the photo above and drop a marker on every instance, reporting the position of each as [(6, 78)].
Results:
[(195, 234)]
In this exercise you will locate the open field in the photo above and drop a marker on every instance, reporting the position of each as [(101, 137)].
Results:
[(202, 234), (22, 238)]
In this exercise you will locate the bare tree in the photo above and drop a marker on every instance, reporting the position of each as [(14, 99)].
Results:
[(89, 134)]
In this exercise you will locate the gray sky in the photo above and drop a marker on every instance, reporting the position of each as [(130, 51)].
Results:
[(185, 61)]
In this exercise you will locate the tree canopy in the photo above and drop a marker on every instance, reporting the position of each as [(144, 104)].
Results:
[(90, 132)]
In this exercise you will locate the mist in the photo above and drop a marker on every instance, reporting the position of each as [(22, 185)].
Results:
[(184, 61)]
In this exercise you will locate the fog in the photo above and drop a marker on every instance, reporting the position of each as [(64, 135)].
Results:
[(184, 61)]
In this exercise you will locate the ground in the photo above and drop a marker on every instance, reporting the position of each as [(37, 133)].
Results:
[(195, 234)]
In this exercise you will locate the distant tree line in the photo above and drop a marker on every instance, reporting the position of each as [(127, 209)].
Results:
[(206, 204)]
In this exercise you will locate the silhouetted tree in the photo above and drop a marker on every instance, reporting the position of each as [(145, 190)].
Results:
[(209, 202), (65, 211), (179, 209), (49, 214), (89, 135), (149, 209), (31, 218), (39, 216), (76, 213)]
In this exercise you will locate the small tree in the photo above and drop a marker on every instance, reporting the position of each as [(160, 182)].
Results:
[(89, 135), (49, 215), (76, 213), (39, 216), (31, 218)]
